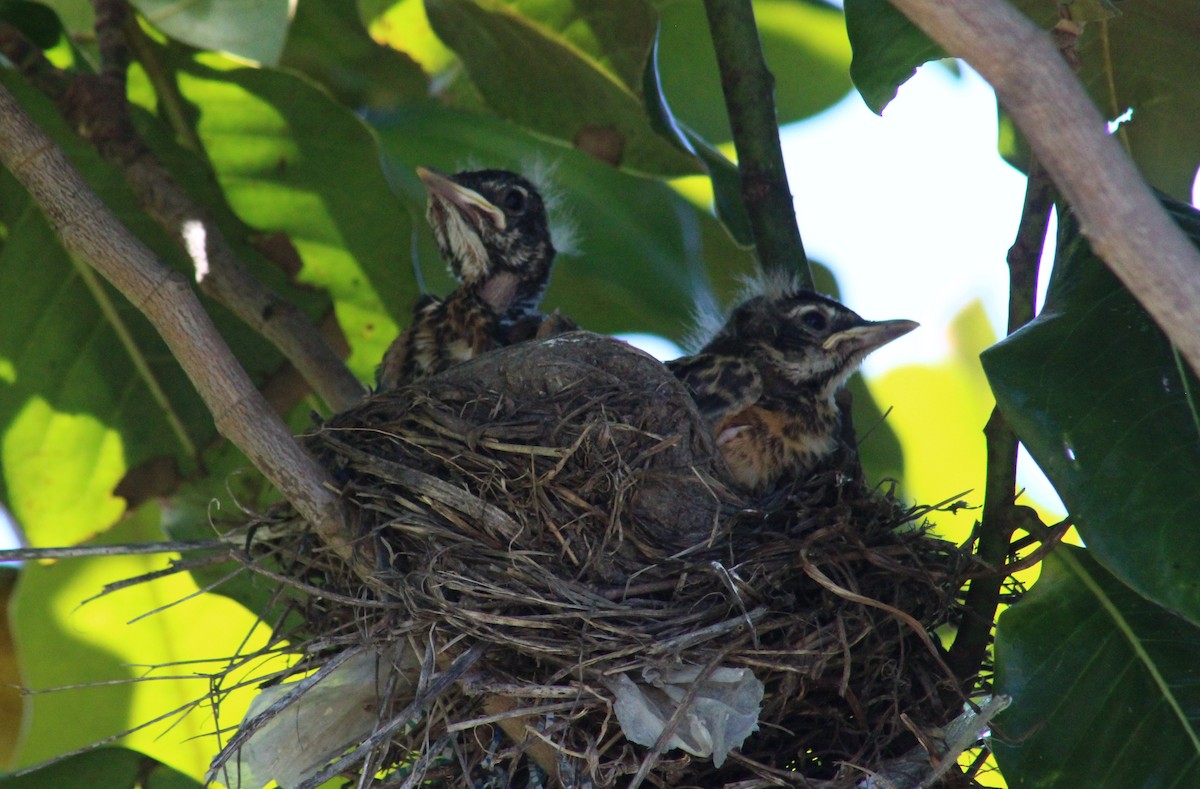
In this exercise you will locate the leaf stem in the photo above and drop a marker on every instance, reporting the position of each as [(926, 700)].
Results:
[(1001, 515), (749, 89)]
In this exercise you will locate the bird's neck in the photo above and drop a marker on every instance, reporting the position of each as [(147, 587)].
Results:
[(499, 291)]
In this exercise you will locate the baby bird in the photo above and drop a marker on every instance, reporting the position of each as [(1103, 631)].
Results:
[(492, 228), (766, 382)]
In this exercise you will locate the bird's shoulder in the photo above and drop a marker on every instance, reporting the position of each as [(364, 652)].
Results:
[(719, 384)]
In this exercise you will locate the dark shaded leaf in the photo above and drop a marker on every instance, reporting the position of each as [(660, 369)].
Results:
[(255, 30), (1103, 684), (104, 768), (571, 70), (1107, 409), (887, 50), (805, 46), (327, 42)]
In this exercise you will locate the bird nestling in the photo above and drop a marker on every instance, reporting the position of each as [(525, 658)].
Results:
[(767, 380), (493, 231)]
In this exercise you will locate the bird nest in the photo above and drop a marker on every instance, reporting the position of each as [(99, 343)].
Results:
[(560, 584)]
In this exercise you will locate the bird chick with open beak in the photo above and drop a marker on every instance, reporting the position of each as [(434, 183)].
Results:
[(493, 231)]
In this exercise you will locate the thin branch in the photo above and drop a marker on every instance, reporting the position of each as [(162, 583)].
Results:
[(750, 101), (98, 109), (1121, 217), (1001, 515), (91, 233)]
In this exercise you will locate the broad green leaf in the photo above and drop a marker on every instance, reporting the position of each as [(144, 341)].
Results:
[(253, 29), (1144, 60), (104, 768), (644, 250), (568, 69), (404, 26), (805, 46), (61, 642), (290, 160), (1096, 393), (887, 50), (328, 43), (1103, 684), (35, 21)]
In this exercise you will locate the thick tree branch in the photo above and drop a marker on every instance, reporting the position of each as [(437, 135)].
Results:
[(1120, 215), (96, 106), (91, 233), (750, 101)]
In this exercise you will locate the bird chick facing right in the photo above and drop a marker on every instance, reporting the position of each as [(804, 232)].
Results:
[(767, 380)]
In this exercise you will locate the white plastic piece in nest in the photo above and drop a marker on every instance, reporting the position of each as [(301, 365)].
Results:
[(338, 711), (722, 714)]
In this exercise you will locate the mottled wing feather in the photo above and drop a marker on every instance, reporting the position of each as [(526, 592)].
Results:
[(720, 385)]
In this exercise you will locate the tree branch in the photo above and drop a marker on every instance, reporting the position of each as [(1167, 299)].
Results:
[(1121, 217), (750, 101), (91, 233), (96, 106)]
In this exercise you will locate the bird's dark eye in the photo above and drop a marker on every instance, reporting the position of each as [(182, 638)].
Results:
[(514, 200), (814, 320)]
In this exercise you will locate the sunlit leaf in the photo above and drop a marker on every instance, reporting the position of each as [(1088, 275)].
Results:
[(1103, 684), (938, 412), (1095, 391), (253, 29), (290, 160), (571, 70), (61, 643), (403, 26)]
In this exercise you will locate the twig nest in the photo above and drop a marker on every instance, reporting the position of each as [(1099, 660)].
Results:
[(555, 548)]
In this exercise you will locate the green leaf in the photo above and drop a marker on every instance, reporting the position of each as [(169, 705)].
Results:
[(572, 70), (404, 26), (253, 29), (37, 22), (645, 252), (328, 43), (104, 768), (290, 160), (887, 50), (805, 46), (1107, 409), (81, 368), (11, 699), (99, 648), (1103, 684)]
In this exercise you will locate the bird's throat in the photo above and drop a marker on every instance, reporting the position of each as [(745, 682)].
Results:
[(500, 290)]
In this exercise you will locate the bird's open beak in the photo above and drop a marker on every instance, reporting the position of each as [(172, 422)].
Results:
[(471, 205), (868, 336)]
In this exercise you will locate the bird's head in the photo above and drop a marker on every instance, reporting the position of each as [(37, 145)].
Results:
[(492, 229), (809, 341)]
